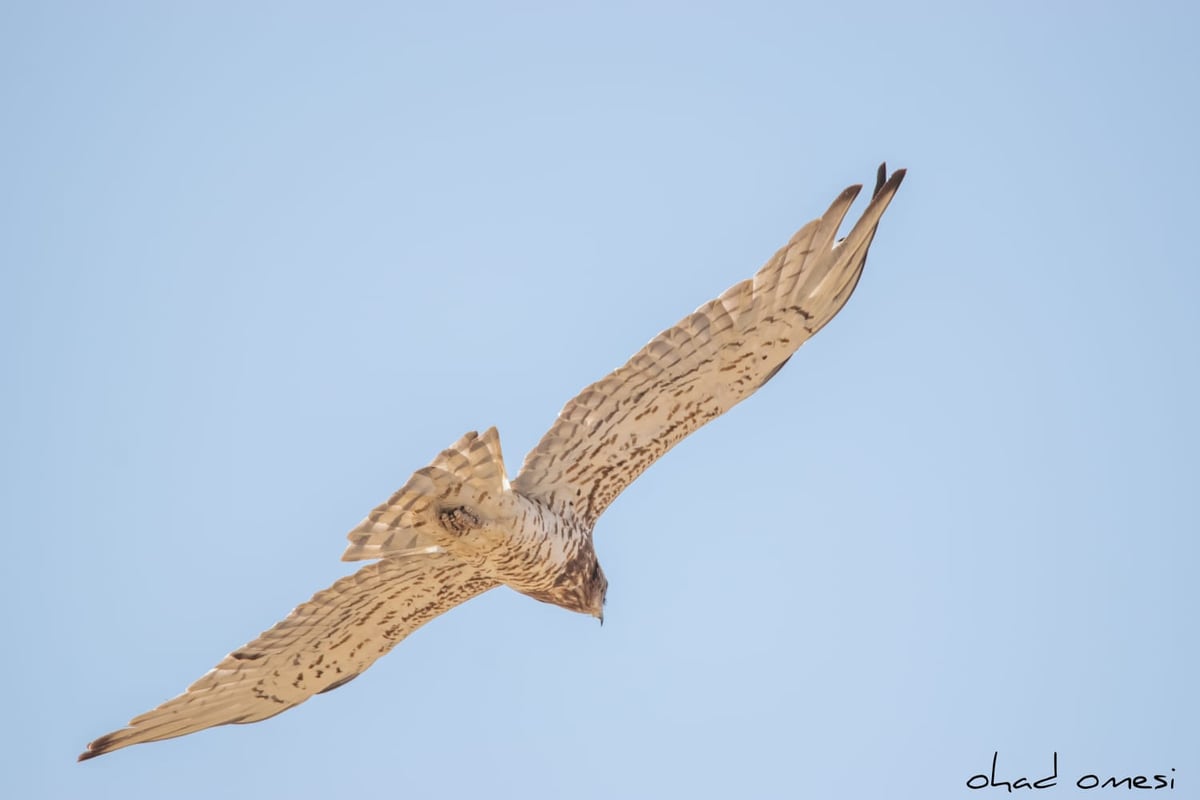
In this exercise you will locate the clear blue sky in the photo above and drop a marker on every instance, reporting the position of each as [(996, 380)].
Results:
[(260, 264)]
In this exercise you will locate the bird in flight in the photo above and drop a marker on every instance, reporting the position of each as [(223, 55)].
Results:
[(460, 527)]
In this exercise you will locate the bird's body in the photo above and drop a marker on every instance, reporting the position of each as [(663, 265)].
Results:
[(459, 527), (463, 505)]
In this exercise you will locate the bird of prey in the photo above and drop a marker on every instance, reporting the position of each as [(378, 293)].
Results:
[(459, 527)]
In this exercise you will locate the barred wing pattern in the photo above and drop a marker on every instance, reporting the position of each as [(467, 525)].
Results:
[(474, 466), (602, 440), (322, 645), (697, 370)]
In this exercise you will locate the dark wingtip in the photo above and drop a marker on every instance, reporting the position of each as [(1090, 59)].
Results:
[(97, 748), (882, 180)]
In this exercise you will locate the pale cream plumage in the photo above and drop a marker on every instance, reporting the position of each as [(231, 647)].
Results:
[(458, 527), (701, 367), (322, 644)]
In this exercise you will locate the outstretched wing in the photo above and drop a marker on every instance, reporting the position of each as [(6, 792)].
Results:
[(699, 369), (322, 644)]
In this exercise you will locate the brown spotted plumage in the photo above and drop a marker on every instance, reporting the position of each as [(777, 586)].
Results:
[(459, 527)]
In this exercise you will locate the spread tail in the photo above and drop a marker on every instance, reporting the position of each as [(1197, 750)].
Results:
[(469, 473)]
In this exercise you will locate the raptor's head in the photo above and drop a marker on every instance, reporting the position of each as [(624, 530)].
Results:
[(581, 587)]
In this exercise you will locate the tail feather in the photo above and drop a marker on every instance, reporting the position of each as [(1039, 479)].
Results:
[(471, 471)]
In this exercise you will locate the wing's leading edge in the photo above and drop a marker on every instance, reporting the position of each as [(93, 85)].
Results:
[(700, 368), (320, 646)]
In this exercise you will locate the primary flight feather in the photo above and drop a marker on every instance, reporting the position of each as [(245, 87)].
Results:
[(459, 527)]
